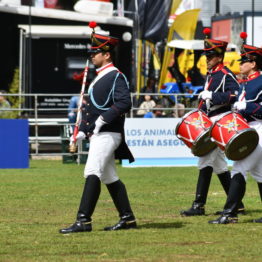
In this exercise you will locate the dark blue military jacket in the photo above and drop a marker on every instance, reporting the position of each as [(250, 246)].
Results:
[(224, 86), (253, 96), (109, 97)]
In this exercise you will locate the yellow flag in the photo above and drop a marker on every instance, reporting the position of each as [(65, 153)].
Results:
[(184, 28), (156, 59), (175, 5)]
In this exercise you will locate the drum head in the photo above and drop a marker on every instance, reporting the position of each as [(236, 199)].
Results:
[(242, 144), (203, 145)]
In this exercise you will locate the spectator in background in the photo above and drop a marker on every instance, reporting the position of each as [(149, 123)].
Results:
[(4, 104), (72, 111), (157, 112), (150, 88), (178, 110), (146, 106)]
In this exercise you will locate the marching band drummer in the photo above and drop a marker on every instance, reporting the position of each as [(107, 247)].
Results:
[(249, 105), (219, 93)]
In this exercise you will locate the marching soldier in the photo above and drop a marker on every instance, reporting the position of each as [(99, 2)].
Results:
[(103, 122), (219, 93), (249, 104)]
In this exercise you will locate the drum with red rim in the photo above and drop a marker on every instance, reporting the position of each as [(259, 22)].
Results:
[(193, 130), (233, 135)]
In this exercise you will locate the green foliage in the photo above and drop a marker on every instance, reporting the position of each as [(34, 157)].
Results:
[(37, 202), (15, 101)]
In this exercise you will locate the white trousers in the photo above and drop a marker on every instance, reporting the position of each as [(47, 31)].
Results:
[(101, 157), (253, 162), (215, 158)]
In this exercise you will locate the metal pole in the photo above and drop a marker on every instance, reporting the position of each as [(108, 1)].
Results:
[(36, 126), (253, 14), (217, 7), (20, 69), (30, 49)]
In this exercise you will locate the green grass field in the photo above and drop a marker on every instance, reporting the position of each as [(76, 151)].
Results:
[(37, 202)]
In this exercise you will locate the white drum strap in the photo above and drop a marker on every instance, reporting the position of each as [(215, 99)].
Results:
[(189, 133), (235, 121), (201, 119), (221, 136)]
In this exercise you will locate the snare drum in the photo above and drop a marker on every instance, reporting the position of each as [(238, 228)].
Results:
[(233, 135), (193, 130)]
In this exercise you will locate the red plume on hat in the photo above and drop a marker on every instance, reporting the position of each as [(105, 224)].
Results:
[(243, 35), (212, 46), (101, 42), (250, 53), (207, 32), (92, 24)]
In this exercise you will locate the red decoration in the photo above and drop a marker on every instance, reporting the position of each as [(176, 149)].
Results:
[(78, 77), (51, 3), (243, 35), (207, 31), (92, 24)]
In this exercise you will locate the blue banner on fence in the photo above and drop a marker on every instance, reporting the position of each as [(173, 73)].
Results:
[(14, 144)]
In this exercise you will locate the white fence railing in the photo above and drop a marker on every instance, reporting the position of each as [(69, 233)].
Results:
[(56, 117)]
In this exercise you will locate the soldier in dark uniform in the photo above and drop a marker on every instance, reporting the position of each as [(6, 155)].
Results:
[(249, 104), (219, 93), (103, 120)]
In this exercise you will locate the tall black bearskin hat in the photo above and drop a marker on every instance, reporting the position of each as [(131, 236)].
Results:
[(101, 43), (212, 46), (250, 53)]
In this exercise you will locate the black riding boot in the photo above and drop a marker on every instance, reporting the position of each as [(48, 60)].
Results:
[(225, 179), (236, 193), (118, 193), (198, 206), (87, 206), (259, 220)]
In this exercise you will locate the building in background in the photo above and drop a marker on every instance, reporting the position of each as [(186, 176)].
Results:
[(48, 55), (210, 8)]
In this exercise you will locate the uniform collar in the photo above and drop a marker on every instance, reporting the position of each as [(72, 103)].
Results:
[(100, 69), (252, 76), (216, 68)]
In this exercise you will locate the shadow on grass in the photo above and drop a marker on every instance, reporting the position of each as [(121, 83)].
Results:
[(161, 225)]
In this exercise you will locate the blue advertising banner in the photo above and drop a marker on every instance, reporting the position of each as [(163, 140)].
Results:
[(14, 144)]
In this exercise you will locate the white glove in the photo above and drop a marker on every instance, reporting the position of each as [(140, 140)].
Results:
[(99, 123), (240, 105), (79, 137), (205, 95)]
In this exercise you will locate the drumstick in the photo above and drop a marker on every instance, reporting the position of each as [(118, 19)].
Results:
[(72, 145), (202, 101), (242, 96), (200, 104)]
